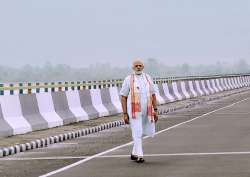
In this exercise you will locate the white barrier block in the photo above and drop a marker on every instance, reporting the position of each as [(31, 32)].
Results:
[(166, 92), (47, 110), (210, 87), (176, 92), (12, 113), (191, 86), (183, 89), (230, 82), (235, 82), (115, 98), (241, 82), (97, 102), (199, 88), (204, 87), (75, 105), (159, 98), (219, 85), (213, 85), (226, 84)]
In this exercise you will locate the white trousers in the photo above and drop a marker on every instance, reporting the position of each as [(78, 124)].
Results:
[(139, 127), (137, 139)]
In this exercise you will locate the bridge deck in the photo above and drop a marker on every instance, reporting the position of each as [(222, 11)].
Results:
[(213, 144)]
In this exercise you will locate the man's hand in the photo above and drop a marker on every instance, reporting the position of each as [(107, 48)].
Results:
[(155, 116), (125, 118)]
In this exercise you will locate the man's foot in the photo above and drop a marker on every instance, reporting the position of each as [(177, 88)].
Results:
[(133, 157), (140, 160)]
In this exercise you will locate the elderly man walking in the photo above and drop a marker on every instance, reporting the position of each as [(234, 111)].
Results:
[(139, 107)]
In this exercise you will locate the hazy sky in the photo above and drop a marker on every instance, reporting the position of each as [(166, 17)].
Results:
[(81, 32)]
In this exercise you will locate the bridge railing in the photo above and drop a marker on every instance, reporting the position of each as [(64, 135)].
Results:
[(37, 87)]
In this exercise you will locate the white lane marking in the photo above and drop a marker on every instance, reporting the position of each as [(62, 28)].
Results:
[(42, 158), (68, 143), (126, 156), (181, 154), (124, 145)]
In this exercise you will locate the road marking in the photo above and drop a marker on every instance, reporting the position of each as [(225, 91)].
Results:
[(68, 143), (42, 158), (124, 145), (126, 156), (181, 154)]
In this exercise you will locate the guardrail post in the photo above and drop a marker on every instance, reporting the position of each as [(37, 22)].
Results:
[(20, 89), (37, 87), (11, 89), (46, 87), (52, 87), (1, 89)]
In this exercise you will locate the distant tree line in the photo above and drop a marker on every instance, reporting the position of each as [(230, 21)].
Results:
[(102, 71)]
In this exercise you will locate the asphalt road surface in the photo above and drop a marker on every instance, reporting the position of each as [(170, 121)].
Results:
[(212, 139)]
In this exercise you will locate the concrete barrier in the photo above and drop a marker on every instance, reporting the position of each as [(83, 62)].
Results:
[(185, 89), (62, 108), (198, 87), (115, 98), (86, 103), (193, 89), (176, 91), (161, 98), (97, 102), (209, 87), (107, 101), (74, 105), (219, 85), (242, 81), (226, 86), (234, 83), (47, 110), (223, 84), (5, 128), (246, 81), (12, 114), (204, 87), (168, 92), (213, 85), (237, 82), (229, 83), (30, 112), (178, 87)]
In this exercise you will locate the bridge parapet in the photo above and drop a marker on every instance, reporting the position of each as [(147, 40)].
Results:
[(61, 103), (40, 87)]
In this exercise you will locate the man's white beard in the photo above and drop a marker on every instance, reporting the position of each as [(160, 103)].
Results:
[(138, 72)]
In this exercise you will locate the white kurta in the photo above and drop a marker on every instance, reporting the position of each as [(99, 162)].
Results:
[(141, 125)]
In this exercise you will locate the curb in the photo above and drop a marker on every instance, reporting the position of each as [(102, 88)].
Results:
[(44, 142)]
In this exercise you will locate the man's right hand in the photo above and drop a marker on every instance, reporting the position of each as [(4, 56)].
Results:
[(125, 118)]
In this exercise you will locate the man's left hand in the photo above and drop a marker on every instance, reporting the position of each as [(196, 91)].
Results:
[(155, 117)]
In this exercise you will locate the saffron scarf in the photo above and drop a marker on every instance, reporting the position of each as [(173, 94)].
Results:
[(135, 101)]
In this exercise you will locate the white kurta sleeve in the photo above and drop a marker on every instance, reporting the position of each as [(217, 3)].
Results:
[(125, 87)]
